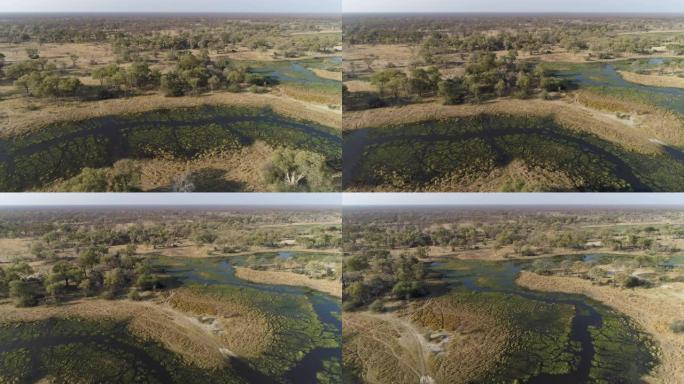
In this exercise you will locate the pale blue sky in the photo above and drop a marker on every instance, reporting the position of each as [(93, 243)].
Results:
[(513, 6), (579, 199), (342, 199), (269, 6), (179, 199)]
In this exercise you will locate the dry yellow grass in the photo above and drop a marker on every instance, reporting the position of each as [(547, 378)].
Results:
[(244, 330), (236, 171), (360, 86), (653, 309), (653, 80), (325, 74), (569, 112), (19, 118), (15, 248), (395, 348), (331, 287), (155, 321)]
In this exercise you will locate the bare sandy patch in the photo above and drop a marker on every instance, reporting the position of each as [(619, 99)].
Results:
[(331, 287), (653, 309)]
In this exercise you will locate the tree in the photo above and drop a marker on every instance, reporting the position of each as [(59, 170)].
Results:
[(500, 88), (298, 170), (65, 271), (74, 59), (214, 83), (89, 180), (32, 53), (114, 280), (453, 91), (124, 176), (173, 85), (523, 84), (24, 293), (89, 258)]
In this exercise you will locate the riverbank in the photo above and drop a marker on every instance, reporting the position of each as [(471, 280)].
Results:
[(149, 320), (330, 287), (653, 80), (22, 116), (573, 112), (653, 309)]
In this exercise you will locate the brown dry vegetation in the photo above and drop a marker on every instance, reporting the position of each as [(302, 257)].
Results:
[(393, 347), (244, 330), (23, 116), (331, 287), (325, 74), (155, 321), (654, 309), (653, 80), (11, 249), (581, 113)]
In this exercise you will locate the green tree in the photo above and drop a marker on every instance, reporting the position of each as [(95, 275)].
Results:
[(453, 91), (292, 170), (24, 293)]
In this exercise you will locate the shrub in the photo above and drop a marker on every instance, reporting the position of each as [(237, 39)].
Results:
[(677, 326), (377, 306)]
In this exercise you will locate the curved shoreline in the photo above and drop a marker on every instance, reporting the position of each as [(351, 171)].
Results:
[(331, 287), (650, 310)]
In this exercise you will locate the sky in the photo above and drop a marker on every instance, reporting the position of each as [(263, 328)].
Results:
[(645, 6), (340, 199), (474, 199), (176, 199), (268, 6)]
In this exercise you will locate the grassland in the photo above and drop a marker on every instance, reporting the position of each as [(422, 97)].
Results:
[(401, 77), (74, 306), (542, 294), (169, 62)]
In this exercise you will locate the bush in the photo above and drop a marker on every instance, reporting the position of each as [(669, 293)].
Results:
[(377, 306), (677, 326), (134, 295)]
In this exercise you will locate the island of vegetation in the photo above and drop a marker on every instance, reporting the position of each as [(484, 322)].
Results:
[(513, 102), (134, 102), (152, 295), (489, 295)]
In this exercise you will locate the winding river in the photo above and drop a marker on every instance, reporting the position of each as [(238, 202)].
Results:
[(221, 272), (499, 277), (61, 150)]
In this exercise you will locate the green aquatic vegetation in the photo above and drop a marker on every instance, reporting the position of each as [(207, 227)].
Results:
[(331, 372), (618, 336), (13, 366), (296, 325), (417, 156), (62, 150), (539, 333), (77, 350)]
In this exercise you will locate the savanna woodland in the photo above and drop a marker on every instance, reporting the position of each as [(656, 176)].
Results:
[(187, 102)]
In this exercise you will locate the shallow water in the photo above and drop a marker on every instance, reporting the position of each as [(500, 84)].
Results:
[(62, 150), (359, 143), (499, 277), (221, 272), (605, 75), (299, 71)]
